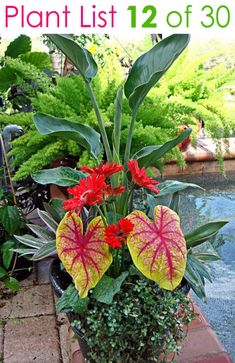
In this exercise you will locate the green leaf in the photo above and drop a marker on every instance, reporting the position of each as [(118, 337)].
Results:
[(12, 284), (57, 204), (3, 272), (48, 220), (108, 287), (173, 186), (24, 251), (150, 154), (84, 135), (7, 78), (79, 56), (174, 203), (151, 66), (10, 218), (40, 60), (30, 241), (203, 233), (47, 250), (41, 232), (195, 281), (62, 176), (7, 253), (199, 266), (70, 301), (18, 46), (206, 257), (1, 193), (55, 209)]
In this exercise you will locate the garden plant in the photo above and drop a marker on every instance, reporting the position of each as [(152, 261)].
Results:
[(184, 94), (126, 264)]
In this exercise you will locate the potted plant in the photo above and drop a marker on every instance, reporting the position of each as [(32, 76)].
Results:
[(125, 259)]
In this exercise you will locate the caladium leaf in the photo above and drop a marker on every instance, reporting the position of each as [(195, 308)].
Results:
[(158, 248), (85, 257)]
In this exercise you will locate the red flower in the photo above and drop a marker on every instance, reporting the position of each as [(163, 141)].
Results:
[(140, 177), (114, 191), (116, 234), (106, 169), (89, 192)]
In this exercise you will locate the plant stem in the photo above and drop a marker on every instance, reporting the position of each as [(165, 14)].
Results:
[(131, 200), (116, 263), (102, 216), (129, 139), (105, 211), (8, 170), (115, 213), (100, 123)]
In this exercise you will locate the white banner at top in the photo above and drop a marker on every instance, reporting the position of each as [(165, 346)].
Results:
[(123, 17)]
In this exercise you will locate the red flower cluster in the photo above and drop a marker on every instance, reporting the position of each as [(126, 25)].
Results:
[(140, 177), (89, 192), (93, 189), (115, 235), (107, 169)]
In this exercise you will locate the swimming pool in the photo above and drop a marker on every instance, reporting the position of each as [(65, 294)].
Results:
[(199, 207)]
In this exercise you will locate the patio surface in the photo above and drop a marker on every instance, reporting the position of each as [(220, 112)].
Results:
[(30, 330)]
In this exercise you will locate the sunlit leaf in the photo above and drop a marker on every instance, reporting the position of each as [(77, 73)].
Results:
[(85, 257), (41, 60), (79, 56), (12, 284), (20, 45), (158, 248)]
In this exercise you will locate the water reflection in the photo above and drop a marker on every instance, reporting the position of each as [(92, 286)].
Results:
[(196, 209)]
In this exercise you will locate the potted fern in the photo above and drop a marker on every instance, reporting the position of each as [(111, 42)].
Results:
[(125, 260)]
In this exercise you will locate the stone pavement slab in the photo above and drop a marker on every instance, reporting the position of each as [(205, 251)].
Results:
[(32, 340), (65, 343), (33, 301)]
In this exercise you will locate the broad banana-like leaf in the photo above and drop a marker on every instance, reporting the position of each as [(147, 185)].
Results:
[(79, 56), (62, 176), (151, 66), (85, 257), (158, 248), (84, 135)]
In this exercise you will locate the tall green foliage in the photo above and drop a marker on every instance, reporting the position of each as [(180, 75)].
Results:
[(194, 86)]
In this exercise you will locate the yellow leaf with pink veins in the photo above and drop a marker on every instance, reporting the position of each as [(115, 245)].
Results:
[(158, 248), (86, 257)]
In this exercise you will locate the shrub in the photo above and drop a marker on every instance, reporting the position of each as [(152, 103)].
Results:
[(134, 328)]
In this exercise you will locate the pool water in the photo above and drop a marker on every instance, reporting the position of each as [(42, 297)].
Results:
[(199, 207)]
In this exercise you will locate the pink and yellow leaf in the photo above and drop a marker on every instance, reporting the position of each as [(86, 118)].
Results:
[(158, 249), (85, 257)]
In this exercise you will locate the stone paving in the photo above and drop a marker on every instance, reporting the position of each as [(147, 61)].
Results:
[(30, 330)]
